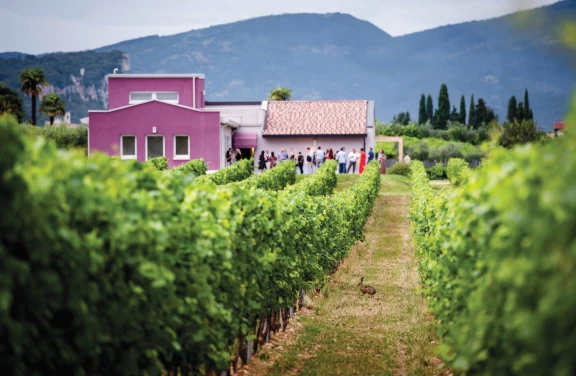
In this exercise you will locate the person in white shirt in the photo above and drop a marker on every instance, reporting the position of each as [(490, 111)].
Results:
[(320, 155), (407, 159), (341, 158), (310, 160), (352, 158)]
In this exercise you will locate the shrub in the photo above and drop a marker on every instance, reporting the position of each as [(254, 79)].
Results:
[(107, 267), (520, 132), (159, 163), (63, 136), (420, 152), (449, 151), (400, 169), (474, 156), (436, 172), (457, 171), (458, 132)]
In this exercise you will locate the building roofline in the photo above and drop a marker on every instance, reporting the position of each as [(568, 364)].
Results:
[(326, 135), (152, 75), (232, 103), (154, 100), (323, 100)]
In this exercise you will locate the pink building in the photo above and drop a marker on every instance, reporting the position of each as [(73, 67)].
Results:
[(152, 115)]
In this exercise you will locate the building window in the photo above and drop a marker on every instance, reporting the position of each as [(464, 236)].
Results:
[(140, 97), (163, 96), (128, 147), (181, 147), (154, 146), (171, 97)]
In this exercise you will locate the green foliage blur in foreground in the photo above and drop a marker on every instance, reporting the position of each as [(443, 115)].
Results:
[(497, 257), (108, 267)]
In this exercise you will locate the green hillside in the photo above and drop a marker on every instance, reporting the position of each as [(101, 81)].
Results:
[(74, 75)]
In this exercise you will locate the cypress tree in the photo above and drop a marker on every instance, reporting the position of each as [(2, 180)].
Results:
[(462, 119), (430, 109), (480, 114), (443, 107), (422, 110), (527, 109), (521, 112), (471, 113), (454, 115), (531, 115), (490, 115), (512, 109)]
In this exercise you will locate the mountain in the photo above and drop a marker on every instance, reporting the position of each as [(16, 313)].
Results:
[(78, 77), (13, 55), (337, 56)]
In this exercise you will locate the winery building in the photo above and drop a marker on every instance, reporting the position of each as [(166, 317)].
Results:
[(152, 115)]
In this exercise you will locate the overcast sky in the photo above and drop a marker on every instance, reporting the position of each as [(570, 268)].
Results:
[(38, 26)]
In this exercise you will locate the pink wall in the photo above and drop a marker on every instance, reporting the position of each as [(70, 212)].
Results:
[(119, 89), (106, 128)]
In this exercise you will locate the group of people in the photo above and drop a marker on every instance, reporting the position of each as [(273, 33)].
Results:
[(233, 156), (314, 159)]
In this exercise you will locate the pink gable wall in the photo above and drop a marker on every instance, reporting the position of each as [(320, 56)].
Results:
[(119, 89), (203, 128)]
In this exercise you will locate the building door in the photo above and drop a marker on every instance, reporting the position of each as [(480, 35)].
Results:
[(154, 146), (247, 153)]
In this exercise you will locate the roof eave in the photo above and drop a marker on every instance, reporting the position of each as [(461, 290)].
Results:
[(315, 135), (151, 75)]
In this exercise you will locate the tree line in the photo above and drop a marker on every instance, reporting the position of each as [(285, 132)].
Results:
[(32, 81), (474, 115)]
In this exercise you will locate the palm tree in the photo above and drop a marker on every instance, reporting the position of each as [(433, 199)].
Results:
[(280, 94), (52, 105), (32, 80)]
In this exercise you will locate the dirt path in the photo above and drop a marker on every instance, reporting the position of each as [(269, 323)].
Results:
[(346, 333)]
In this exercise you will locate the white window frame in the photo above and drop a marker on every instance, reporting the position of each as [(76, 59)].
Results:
[(163, 145), (181, 157), (154, 97), (122, 156)]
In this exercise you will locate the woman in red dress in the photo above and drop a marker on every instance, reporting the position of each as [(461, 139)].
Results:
[(362, 160)]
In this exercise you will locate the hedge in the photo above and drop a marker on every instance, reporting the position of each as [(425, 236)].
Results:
[(237, 172), (107, 268), (497, 257), (322, 183), (196, 167), (274, 179), (158, 163)]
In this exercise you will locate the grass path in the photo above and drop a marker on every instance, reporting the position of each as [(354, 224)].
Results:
[(346, 333)]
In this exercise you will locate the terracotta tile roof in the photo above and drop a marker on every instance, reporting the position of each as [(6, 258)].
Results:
[(316, 118)]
